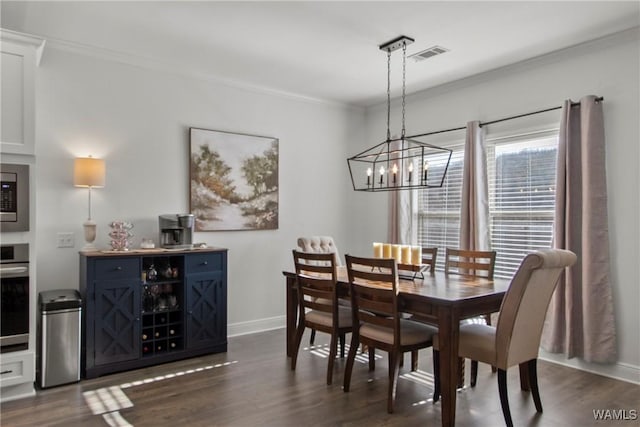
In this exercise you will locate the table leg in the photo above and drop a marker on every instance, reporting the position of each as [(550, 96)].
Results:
[(292, 313), (449, 330)]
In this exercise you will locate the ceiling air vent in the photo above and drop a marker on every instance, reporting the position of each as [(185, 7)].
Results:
[(428, 53)]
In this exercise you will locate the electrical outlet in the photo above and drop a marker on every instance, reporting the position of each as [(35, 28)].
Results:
[(66, 240)]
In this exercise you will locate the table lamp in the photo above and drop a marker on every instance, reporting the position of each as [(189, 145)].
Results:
[(89, 172)]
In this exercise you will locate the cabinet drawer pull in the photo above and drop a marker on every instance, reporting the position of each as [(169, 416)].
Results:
[(8, 371), (205, 262), (118, 268)]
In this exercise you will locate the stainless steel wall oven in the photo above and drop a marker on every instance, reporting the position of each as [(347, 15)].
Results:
[(14, 302)]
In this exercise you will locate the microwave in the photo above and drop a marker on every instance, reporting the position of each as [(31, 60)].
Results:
[(14, 197)]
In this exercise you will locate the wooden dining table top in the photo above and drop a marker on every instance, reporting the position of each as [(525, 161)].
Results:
[(440, 287)]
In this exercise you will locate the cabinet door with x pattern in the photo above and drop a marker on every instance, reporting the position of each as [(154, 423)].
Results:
[(117, 322), (206, 310)]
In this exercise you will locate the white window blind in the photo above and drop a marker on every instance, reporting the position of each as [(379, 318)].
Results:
[(521, 173), (439, 208)]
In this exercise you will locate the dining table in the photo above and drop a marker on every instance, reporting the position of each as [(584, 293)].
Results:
[(437, 298)]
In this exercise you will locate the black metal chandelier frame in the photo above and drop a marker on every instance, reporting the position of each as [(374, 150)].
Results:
[(399, 163)]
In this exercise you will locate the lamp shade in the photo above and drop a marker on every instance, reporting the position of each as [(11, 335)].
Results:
[(88, 172)]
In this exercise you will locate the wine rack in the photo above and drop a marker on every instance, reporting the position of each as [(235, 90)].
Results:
[(162, 332), (162, 302)]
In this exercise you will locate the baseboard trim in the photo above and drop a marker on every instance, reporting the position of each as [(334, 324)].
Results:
[(254, 326), (619, 371)]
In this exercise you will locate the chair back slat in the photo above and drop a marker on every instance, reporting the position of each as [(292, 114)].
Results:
[(471, 263), (429, 257), (374, 292), (316, 275)]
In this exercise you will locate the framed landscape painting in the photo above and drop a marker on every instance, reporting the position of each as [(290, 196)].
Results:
[(233, 181)]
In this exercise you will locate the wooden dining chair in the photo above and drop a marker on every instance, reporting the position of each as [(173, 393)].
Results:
[(321, 245), (373, 283), (429, 256), (516, 338), (316, 275), (472, 263)]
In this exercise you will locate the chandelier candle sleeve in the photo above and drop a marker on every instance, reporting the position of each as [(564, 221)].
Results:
[(381, 174)]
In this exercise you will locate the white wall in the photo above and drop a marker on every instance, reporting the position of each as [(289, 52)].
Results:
[(608, 68), (137, 118)]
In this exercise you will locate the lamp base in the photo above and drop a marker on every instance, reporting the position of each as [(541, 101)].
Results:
[(89, 236)]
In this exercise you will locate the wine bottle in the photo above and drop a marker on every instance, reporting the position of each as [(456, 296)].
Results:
[(173, 345), (145, 336), (157, 334), (172, 332)]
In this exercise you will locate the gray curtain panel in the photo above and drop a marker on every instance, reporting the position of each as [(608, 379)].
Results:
[(474, 215), (580, 320)]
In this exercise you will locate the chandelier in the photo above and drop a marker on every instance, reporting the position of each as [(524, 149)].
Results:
[(400, 163)]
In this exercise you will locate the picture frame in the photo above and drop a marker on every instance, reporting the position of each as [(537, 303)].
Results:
[(233, 180)]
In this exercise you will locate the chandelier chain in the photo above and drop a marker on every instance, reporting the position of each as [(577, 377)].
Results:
[(404, 74), (388, 95)]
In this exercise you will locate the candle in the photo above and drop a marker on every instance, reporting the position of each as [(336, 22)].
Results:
[(396, 252), (395, 172), (416, 255), (377, 250), (386, 250), (406, 254), (369, 171), (410, 171), (381, 174), (426, 169)]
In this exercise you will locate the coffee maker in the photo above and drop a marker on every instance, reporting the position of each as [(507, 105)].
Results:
[(176, 231)]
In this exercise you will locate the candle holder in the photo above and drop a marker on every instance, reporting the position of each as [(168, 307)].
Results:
[(412, 271)]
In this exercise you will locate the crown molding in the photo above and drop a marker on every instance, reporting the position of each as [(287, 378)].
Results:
[(25, 39), (179, 69)]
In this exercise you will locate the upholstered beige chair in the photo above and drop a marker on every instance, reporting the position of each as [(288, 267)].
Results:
[(316, 277), (319, 245), (516, 337), (373, 283)]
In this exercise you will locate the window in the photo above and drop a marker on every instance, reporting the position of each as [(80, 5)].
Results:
[(439, 208), (521, 174)]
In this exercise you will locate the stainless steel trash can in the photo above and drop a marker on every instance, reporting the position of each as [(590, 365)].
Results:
[(59, 337)]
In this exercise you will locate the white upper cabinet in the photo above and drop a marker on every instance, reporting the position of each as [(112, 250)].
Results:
[(20, 56)]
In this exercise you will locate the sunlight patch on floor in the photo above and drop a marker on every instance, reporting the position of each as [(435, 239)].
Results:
[(108, 401), (176, 374), (323, 350)]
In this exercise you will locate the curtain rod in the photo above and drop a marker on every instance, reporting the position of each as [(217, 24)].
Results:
[(573, 104), (599, 99)]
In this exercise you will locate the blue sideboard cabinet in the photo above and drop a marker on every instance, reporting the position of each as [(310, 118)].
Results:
[(148, 307)]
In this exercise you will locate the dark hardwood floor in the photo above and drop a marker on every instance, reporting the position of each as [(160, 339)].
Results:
[(252, 385)]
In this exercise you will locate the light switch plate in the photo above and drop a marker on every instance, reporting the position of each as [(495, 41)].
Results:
[(66, 239)]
